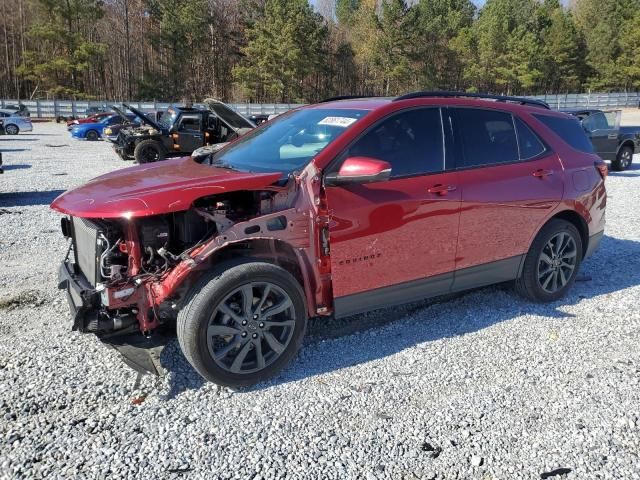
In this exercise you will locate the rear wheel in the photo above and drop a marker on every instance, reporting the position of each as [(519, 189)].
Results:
[(552, 263), (244, 324), (12, 129), (92, 135), (148, 151), (623, 159)]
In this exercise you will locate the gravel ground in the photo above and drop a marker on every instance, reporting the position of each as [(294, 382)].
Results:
[(482, 386)]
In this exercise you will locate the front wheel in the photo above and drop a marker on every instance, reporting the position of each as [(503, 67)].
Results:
[(12, 129), (92, 135), (244, 324), (552, 263), (148, 151), (623, 159)]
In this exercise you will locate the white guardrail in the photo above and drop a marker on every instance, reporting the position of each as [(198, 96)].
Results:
[(56, 108), (65, 108)]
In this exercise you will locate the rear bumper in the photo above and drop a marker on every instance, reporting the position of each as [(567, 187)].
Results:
[(594, 243)]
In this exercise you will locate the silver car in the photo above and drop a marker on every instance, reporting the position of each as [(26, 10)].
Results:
[(14, 123)]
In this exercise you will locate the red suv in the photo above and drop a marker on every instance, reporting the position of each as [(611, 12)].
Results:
[(331, 209)]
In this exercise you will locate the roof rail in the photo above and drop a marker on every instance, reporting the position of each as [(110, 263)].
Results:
[(497, 98), (345, 97)]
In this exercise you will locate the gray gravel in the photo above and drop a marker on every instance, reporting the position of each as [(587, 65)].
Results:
[(483, 386)]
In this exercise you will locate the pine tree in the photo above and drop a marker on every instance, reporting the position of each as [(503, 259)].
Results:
[(62, 55), (284, 47)]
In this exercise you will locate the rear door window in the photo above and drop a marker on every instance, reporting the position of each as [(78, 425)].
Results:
[(487, 137), (570, 130), (529, 144), (412, 141)]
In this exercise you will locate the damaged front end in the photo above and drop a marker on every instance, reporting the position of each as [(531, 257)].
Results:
[(127, 277)]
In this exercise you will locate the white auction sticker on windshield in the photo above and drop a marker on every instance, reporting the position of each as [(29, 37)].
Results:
[(337, 121)]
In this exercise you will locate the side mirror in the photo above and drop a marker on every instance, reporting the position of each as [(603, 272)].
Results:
[(359, 170)]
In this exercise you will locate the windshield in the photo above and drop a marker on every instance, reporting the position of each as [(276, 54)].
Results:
[(167, 118), (289, 142)]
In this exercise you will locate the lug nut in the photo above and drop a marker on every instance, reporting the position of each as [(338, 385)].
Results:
[(255, 335), (255, 317), (261, 325), (244, 334), (244, 322)]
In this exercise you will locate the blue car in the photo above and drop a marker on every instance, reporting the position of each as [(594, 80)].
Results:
[(93, 131)]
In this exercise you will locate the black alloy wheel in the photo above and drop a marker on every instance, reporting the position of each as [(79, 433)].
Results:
[(243, 322), (149, 154), (557, 262), (552, 263), (251, 327), (148, 151), (623, 159)]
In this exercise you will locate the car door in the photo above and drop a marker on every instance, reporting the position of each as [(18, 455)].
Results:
[(509, 182), (189, 131), (603, 129), (394, 241)]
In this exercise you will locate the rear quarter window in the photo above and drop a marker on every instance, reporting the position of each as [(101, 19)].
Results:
[(570, 130)]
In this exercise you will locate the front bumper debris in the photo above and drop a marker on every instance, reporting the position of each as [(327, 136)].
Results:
[(139, 352)]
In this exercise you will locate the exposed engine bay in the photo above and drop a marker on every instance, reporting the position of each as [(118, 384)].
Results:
[(166, 240), (139, 270)]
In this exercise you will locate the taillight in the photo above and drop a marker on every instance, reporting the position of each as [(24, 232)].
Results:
[(602, 168)]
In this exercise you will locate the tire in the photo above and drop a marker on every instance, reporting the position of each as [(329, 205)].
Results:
[(92, 135), (538, 271), (11, 129), (238, 345), (623, 159), (148, 151)]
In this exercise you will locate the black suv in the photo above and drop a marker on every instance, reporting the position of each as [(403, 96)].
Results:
[(610, 140), (180, 131)]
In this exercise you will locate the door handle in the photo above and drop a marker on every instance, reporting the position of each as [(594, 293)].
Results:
[(613, 136), (542, 173), (442, 190)]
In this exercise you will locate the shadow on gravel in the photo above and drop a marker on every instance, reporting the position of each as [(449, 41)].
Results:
[(624, 174), (614, 267), (25, 199), (632, 171), (15, 150), (36, 135), (17, 166), (12, 139)]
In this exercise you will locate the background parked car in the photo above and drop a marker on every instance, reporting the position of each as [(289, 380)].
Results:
[(90, 111), (180, 131), (19, 110), (611, 141), (95, 118), (14, 123), (93, 131), (2, 127)]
